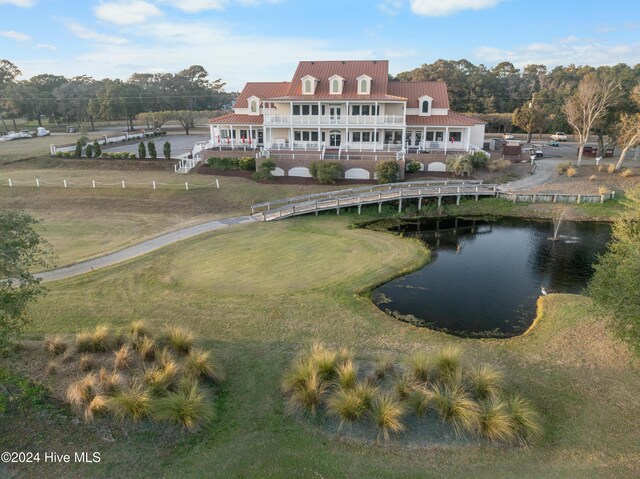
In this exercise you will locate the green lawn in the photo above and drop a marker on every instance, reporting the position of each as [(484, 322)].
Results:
[(257, 293)]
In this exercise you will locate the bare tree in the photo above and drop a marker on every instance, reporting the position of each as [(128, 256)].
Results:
[(588, 104), (530, 117), (629, 129), (187, 119)]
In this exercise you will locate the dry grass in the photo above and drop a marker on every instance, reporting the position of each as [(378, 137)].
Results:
[(456, 407), (383, 367), (82, 391), (132, 403), (593, 178), (347, 374), (387, 414), (86, 362), (611, 169), (188, 406), (309, 394), (571, 172), (484, 382), (603, 190), (110, 382), (198, 364), (55, 345), (627, 173), (123, 357), (146, 347), (498, 165), (98, 405), (405, 385), (420, 365), (494, 423), (139, 329), (347, 405), (525, 420), (179, 339)]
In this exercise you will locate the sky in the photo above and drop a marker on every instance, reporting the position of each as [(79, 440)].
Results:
[(263, 40)]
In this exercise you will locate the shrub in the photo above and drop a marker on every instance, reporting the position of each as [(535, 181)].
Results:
[(627, 173), (413, 166), (78, 150), (347, 405), (88, 150), (166, 150), (611, 168), (387, 415), (97, 151), (498, 165), (494, 422), (151, 148), (188, 406), (198, 364), (571, 172), (326, 172), (525, 420), (179, 339), (133, 403), (263, 172), (223, 163), (55, 345), (248, 163), (387, 171), (478, 160), (142, 151), (562, 167)]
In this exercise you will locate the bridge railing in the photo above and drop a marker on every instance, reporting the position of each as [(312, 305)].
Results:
[(331, 195)]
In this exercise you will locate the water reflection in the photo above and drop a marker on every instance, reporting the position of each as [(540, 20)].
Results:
[(486, 275)]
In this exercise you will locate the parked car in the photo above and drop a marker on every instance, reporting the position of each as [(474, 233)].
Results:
[(535, 150), (508, 136), (71, 129), (42, 131), (559, 136)]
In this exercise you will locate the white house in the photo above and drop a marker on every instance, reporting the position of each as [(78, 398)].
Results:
[(346, 105)]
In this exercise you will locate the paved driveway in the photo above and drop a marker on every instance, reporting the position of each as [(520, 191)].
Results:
[(180, 144)]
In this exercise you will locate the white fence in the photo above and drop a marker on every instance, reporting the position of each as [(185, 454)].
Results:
[(105, 140), (93, 184)]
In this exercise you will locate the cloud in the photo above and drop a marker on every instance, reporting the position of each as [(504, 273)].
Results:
[(127, 13), (441, 8), (19, 3), (46, 46), (390, 7), (87, 34), (18, 36), (195, 6), (577, 52)]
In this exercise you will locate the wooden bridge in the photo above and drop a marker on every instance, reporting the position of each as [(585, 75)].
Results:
[(356, 197)]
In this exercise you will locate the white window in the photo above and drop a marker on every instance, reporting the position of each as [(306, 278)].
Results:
[(254, 105), (364, 85), (424, 105), (335, 83), (308, 85)]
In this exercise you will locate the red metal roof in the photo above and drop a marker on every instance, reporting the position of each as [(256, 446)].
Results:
[(262, 90), (437, 90), (377, 70), (235, 119), (340, 98), (451, 119)]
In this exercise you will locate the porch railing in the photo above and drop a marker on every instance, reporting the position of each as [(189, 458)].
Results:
[(347, 120)]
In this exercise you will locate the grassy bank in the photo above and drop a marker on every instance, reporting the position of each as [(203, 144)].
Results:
[(257, 293)]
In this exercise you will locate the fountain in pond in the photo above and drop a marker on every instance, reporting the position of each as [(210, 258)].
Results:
[(557, 221)]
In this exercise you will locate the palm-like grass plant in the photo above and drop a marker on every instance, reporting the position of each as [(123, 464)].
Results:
[(387, 414), (455, 406), (494, 422), (525, 420), (188, 406)]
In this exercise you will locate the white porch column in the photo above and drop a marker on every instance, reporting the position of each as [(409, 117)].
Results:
[(468, 142), (376, 113), (319, 134), (375, 134), (346, 117), (347, 135), (231, 131), (404, 137), (424, 137), (291, 138), (446, 139), (250, 136)]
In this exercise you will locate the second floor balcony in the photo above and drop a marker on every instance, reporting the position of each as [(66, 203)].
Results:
[(327, 120)]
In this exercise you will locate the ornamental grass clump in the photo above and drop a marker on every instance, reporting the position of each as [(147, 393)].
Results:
[(146, 347), (180, 340), (138, 329), (188, 406), (494, 421), (484, 382), (110, 382), (347, 375), (101, 339), (348, 406), (82, 391), (456, 407), (447, 365), (133, 402), (123, 357), (387, 414), (525, 420), (308, 395), (405, 385), (98, 405), (55, 345), (199, 365), (419, 365)]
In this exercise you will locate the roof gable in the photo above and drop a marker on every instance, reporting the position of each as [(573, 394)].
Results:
[(412, 91), (261, 90)]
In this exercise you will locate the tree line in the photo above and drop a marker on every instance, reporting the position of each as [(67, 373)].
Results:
[(83, 99)]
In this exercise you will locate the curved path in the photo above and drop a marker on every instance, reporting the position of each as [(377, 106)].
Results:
[(140, 248), (544, 173)]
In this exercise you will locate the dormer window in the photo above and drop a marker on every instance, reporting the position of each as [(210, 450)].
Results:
[(335, 85), (364, 85), (254, 105), (309, 85), (424, 105)]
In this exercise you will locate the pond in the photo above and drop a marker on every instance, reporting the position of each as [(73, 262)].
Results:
[(486, 275)]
